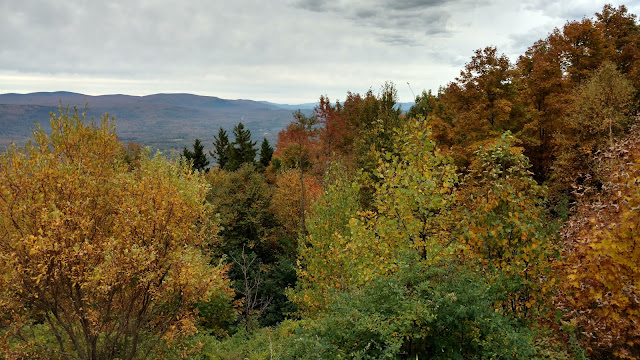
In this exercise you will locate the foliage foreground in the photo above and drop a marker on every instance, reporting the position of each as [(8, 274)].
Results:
[(100, 250), (497, 219)]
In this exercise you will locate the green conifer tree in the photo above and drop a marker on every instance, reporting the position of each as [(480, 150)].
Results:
[(266, 152), (242, 150), (221, 149), (197, 156)]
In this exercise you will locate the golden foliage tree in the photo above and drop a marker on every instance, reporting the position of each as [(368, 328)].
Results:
[(102, 258), (504, 225), (323, 261), (291, 198)]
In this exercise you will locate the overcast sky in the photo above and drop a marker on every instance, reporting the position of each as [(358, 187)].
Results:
[(288, 51)]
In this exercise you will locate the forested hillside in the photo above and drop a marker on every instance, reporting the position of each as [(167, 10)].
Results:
[(162, 122), (496, 219)]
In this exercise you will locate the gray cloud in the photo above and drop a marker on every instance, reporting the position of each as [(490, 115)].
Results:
[(414, 4), (315, 5), (292, 49), (404, 21), (520, 42), (396, 39), (554, 14), (366, 13), (567, 10)]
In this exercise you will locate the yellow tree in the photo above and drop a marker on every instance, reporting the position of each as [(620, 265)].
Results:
[(414, 198), (503, 224), (292, 197), (346, 249), (102, 259), (322, 259)]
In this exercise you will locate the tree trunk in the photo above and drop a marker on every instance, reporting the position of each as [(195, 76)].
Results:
[(303, 227)]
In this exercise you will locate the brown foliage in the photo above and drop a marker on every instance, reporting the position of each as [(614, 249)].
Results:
[(481, 103), (600, 294)]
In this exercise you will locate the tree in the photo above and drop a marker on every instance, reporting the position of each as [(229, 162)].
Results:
[(250, 281), (482, 102), (421, 312), (385, 283), (430, 106), (370, 122), (411, 214), (622, 40), (296, 142), (414, 196), (377, 118), (197, 157), (297, 145), (322, 259), (581, 47), (601, 256), (240, 200), (553, 67), (334, 135), (266, 152), (242, 150), (504, 226), (601, 109), (603, 105), (345, 133), (133, 153), (544, 92), (102, 259), (221, 149), (261, 249), (289, 204)]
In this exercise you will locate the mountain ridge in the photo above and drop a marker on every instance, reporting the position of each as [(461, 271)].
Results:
[(163, 121)]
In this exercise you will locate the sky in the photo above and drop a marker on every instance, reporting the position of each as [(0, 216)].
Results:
[(285, 51)]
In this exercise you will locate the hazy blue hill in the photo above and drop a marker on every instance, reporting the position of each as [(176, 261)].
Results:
[(17, 122), (310, 106), (42, 98), (405, 106), (306, 106), (206, 102), (162, 121)]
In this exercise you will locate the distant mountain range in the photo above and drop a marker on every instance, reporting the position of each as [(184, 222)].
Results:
[(161, 121)]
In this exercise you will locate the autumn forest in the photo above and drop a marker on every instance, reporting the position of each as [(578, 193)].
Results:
[(498, 218)]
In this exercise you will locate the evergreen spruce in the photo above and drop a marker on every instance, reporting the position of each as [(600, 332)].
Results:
[(266, 152), (197, 156), (243, 149), (221, 149)]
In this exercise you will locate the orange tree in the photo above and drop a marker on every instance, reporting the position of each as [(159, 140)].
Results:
[(98, 259), (482, 103)]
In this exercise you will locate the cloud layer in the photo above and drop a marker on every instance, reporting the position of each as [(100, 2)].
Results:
[(286, 51)]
